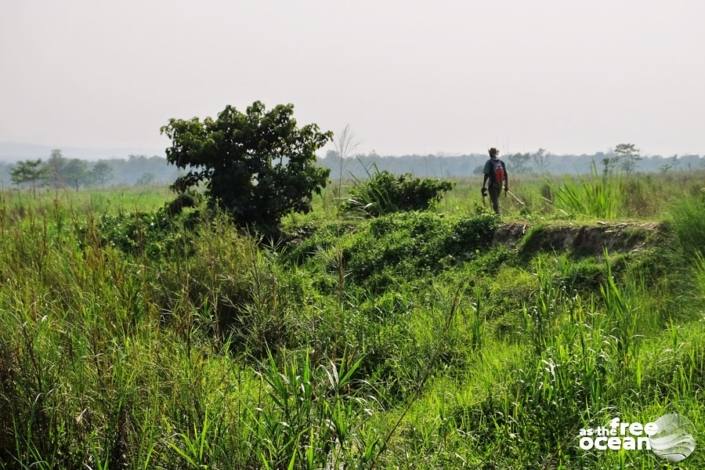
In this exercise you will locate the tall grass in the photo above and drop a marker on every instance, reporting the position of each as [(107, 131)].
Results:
[(593, 197), (235, 355), (688, 220)]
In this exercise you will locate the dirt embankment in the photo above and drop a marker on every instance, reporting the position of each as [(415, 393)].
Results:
[(580, 240)]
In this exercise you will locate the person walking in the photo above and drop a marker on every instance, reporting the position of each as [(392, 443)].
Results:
[(495, 172)]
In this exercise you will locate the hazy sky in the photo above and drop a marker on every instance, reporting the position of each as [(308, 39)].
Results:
[(409, 76)]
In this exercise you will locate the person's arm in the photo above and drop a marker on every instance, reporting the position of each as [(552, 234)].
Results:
[(506, 178), (485, 171), (484, 182)]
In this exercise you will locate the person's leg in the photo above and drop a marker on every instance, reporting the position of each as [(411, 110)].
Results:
[(494, 197)]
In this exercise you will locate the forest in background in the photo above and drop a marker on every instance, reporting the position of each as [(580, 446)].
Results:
[(147, 170)]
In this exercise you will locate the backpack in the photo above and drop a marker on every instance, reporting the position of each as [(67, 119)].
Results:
[(498, 173)]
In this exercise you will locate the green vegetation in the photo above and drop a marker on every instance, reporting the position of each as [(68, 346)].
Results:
[(257, 165), (27, 172), (688, 223), (59, 172), (140, 335), (596, 197), (384, 192)]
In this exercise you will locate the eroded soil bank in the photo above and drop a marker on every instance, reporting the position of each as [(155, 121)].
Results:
[(580, 240)]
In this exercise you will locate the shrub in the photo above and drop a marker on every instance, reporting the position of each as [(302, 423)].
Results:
[(258, 165), (155, 234), (230, 289), (413, 243), (384, 193)]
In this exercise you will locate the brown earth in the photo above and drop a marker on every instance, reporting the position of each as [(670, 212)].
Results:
[(581, 240)]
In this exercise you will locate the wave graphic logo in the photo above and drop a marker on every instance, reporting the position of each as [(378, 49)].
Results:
[(673, 440), (670, 437)]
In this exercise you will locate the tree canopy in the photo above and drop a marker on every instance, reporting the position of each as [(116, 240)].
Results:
[(75, 172), (101, 173), (258, 164), (627, 155), (28, 171)]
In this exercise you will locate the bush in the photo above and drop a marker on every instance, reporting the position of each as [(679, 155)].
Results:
[(155, 234), (414, 243), (257, 165), (235, 289), (384, 193)]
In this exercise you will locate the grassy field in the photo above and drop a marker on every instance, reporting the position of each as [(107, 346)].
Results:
[(634, 197), (411, 340)]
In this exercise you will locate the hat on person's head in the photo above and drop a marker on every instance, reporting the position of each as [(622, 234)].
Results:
[(493, 151)]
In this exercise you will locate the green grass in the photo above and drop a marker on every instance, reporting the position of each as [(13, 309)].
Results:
[(405, 341)]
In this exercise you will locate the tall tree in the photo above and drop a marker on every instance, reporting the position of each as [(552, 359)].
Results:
[(54, 169), (101, 173), (76, 173), (519, 162), (627, 156), (258, 165), (27, 172), (540, 158)]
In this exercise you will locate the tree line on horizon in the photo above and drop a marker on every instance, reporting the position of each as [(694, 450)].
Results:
[(624, 157), (60, 172), (140, 170)]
